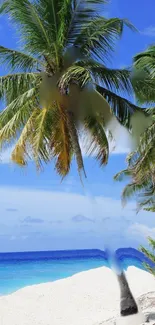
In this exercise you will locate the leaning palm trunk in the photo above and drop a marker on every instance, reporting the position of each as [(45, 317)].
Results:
[(129, 311), (128, 305)]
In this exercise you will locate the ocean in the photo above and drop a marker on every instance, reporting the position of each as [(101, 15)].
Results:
[(18, 270)]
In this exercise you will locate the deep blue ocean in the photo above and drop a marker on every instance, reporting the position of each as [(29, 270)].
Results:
[(18, 270)]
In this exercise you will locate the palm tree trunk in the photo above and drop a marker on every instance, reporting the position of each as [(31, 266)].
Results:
[(128, 304), (75, 143)]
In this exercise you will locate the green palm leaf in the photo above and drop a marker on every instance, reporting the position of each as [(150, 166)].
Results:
[(62, 143), (9, 131), (118, 80), (141, 171), (75, 16), (37, 37), (20, 154), (143, 85), (13, 85), (146, 60), (99, 36), (41, 136), (122, 174), (14, 107), (76, 74), (131, 190), (149, 254), (98, 143), (122, 108), (144, 75), (18, 60)]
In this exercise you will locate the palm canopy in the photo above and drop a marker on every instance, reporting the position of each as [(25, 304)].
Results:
[(141, 172), (144, 75), (141, 163), (59, 81)]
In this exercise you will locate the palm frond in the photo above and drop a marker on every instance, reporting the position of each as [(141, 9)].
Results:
[(61, 143), (75, 143), (66, 17), (146, 61), (75, 74), (147, 205), (122, 108), (32, 28), (150, 209), (143, 85), (151, 242), (122, 174), (76, 15), (98, 38), (149, 268), (148, 253), (49, 13), (14, 85), (40, 137), (145, 151), (10, 130), (14, 107), (143, 79), (141, 170), (112, 79), (98, 144), (20, 154), (55, 15), (130, 191), (17, 60)]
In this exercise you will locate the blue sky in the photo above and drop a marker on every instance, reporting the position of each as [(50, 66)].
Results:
[(38, 212)]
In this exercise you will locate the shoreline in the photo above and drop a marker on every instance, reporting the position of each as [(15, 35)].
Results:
[(86, 298), (66, 278)]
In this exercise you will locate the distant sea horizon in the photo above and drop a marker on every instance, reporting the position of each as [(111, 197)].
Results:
[(20, 269)]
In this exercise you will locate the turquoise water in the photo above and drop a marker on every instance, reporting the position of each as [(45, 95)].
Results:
[(18, 270)]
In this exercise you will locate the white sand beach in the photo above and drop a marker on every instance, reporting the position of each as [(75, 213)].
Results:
[(88, 298)]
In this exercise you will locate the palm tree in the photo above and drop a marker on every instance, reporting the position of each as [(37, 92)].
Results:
[(150, 255), (144, 73), (59, 82), (141, 171), (140, 163)]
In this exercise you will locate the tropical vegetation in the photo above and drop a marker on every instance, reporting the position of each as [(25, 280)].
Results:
[(59, 82), (150, 254), (141, 163)]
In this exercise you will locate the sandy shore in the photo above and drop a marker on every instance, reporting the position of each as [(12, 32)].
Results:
[(88, 298)]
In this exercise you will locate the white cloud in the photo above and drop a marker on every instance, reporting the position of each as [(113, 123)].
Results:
[(119, 150), (30, 219), (141, 230), (81, 218), (149, 31), (5, 156), (112, 225)]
